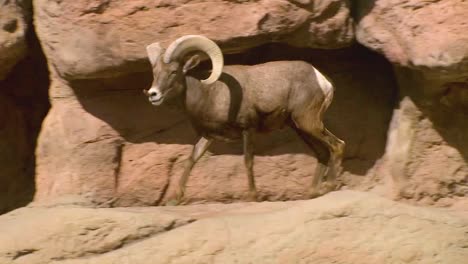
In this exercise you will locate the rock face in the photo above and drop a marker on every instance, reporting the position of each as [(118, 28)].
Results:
[(341, 227), (402, 31), (14, 18), (427, 149), (102, 140), (110, 36)]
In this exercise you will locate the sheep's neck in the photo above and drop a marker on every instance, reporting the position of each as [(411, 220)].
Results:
[(194, 92)]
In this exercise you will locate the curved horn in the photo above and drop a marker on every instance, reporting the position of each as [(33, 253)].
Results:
[(154, 51), (185, 44)]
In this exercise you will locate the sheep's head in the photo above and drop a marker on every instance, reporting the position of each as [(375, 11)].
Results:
[(170, 66)]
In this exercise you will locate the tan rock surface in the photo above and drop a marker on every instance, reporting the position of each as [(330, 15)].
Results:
[(427, 151), (109, 36), (14, 18), (103, 141), (341, 227), (422, 34)]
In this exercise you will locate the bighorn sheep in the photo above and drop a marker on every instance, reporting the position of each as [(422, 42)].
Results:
[(236, 101)]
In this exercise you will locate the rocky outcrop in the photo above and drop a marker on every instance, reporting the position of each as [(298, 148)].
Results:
[(109, 36), (427, 151), (341, 227), (101, 138), (402, 32), (14, 18), (103, 141), (426, 156)]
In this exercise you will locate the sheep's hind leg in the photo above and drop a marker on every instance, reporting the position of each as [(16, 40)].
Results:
[(323, 157), (336, 148), (249, 161), (197, 152)]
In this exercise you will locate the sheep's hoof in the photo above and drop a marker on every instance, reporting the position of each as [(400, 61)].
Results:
[(252, 196), (314, 193), (325, 188), (173, 202), (177, 200), (328, 187)]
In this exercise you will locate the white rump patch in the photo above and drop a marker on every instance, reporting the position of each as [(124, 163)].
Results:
[(323, 82), (326, 86)]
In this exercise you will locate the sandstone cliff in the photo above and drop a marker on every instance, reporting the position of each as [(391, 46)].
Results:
[(402, 112), (401, 104)]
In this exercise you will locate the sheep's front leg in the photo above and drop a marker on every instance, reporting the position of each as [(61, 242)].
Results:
[(197, 152), (249, 161)]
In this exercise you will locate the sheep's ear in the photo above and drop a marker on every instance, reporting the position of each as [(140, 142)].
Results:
[(154, 52), (191, 63)]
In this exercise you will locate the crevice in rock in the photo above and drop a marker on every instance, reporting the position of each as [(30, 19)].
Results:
[(23, 253), (118, 165), (329, 12), (170, 175)]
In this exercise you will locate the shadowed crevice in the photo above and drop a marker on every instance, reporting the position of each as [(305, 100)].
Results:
[(26, 91)]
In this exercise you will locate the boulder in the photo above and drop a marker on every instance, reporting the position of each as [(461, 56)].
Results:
[(341, 227), (426, 158), (424, 35)]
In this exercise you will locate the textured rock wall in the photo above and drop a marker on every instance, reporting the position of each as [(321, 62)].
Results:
[(427, 35), (102, 140), (427, 151), (109, 36)]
